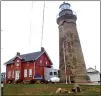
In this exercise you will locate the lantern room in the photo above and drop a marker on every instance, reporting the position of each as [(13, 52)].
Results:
[(66, 12)]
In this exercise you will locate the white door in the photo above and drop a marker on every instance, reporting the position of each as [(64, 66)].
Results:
[(17, 75)]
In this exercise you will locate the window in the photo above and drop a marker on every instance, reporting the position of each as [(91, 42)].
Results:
[(17, 60), (55, 73), (46, 62), (40, 62), (9, 74), (25, 72), (50, 73), (17, 64), (30, 72), (12, 74)]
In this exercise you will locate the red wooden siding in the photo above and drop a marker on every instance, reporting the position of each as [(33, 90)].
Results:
[(39, 68), (28, 65)]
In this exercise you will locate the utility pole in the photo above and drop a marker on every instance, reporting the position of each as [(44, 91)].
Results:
[(100, 83), (2, 89)]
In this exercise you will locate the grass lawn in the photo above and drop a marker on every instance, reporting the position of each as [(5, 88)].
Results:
[(49, 89)]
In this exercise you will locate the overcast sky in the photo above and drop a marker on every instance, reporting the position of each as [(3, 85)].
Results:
[(19, 36)]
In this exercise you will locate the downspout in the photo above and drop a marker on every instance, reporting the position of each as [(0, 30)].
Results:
[(34, 68)]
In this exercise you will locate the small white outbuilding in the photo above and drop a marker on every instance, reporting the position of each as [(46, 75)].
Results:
[(50, 74), (94, 75)]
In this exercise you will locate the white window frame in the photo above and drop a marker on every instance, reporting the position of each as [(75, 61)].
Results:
[(25, 72), (17, 64), (13, 74), (30, 72)]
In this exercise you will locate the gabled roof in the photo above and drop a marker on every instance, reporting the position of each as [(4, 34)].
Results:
[(28, 57), (92, 70)]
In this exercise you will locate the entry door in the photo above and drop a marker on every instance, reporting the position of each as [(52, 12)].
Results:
[(17, 75)]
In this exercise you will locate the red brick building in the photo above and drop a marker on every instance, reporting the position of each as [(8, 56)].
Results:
[(27, 66)]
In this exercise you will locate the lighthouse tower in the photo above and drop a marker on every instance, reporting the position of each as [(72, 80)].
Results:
[(72, 65)]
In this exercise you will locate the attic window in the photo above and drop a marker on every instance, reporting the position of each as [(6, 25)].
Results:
[(17, 61), (40, 62), (17, 64)]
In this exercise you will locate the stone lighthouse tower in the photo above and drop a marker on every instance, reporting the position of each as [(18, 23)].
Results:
[(72, 65)]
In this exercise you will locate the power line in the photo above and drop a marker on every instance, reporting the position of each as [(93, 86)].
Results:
[(31, 22), (43, 23)]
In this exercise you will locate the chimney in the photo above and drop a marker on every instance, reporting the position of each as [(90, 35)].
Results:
[(42, 49), (18, 54)]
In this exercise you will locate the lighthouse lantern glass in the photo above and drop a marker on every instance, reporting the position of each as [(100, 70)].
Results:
[(64, 6)]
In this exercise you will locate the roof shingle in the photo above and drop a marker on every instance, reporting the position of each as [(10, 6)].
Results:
[(27, 57)]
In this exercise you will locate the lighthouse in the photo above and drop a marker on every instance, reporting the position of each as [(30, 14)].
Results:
[(71, 61)]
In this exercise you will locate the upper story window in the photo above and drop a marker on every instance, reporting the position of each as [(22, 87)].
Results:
[(46, 63), (17, 63), (40, 62)]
